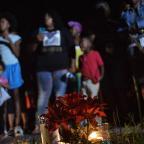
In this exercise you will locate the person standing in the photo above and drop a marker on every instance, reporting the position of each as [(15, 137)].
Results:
[(133, 14), (76, 30), (91, 67), (10, 52), (55, 51)]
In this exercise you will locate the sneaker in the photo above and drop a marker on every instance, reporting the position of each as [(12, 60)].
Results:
[(10, 133), (18, 131), (5, 132)]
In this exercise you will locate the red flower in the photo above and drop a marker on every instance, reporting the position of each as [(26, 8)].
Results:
[(72, 108)]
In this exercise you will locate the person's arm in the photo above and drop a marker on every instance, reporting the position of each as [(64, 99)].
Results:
[(71, 50), (73, 66), (5, 86), (102, 72), (35, 40), (79, 65), (4, 83), (15, 47), (100, 64)]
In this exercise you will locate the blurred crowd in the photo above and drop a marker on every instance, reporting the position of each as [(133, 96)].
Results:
[(100, 58)]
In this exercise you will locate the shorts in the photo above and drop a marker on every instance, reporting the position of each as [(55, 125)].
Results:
[(90, 89), (13, 74)]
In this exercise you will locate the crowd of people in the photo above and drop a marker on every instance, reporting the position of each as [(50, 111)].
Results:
[(98, 60)]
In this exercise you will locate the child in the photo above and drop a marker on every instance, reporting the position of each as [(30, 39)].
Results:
[(9, 52), (76, 29), (91, 67), (4, 96)]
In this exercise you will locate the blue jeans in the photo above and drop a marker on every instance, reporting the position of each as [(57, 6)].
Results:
[(48, 81)]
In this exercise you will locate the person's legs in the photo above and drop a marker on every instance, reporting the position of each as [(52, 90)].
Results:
[(23, 107), (78, 76), (45, 84), (17, 107), (90, 88), (11, 121), (59, 85), (1, 120), (24, 120), (11, 111), (14, 109), (94, 88), (59, 90), (84, 89), (15, 81)]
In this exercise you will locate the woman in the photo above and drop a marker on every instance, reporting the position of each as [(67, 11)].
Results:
[(9, 52), (55, 57)]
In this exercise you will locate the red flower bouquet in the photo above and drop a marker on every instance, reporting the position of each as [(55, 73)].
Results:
[(74, 115)]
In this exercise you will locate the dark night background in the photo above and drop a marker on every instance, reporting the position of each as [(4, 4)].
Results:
[(28, 12)]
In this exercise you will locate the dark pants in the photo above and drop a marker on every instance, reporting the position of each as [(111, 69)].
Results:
[(1, 119)]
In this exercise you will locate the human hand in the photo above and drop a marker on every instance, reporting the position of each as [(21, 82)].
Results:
[(40, 37), (100, 78), (72, 68), (3, 82)]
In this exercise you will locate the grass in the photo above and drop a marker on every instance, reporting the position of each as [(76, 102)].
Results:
[(130, 133)]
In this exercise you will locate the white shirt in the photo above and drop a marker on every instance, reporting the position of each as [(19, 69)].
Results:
[(52, 38), (6, 54)]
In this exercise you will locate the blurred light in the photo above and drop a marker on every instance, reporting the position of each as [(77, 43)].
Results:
[(95, 136)]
